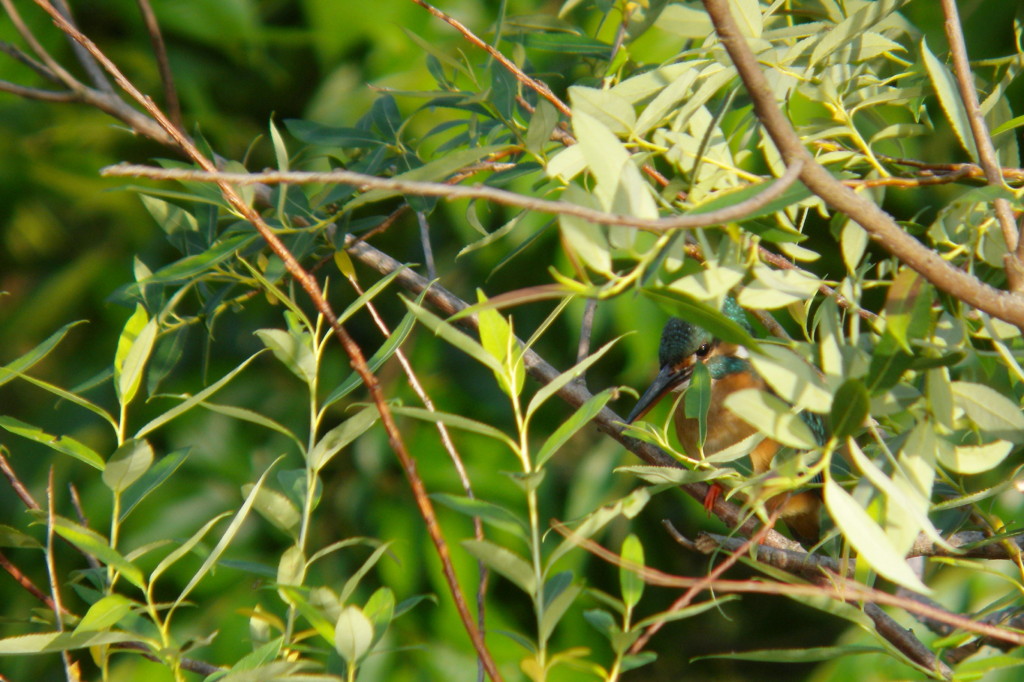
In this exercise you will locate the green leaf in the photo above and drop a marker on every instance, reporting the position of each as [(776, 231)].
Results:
[(505, 562), (567, 429), (697, 401), (127, 465), (353, 634), (151, 480), (489, 512), (314, 133), (453, 336), (133, 351), (229, 534), (809, 655), (380, 609), (29, 359), (850, 408), (563, 379), (458, 422), (555, 606), (583, 238), (192, 401), (631, 583), (197, 264), (888, 363), (868, 539), (50, 642), (294, 350), (851, 28), (353, 581), (792, 378), (949, 97), (975, 459), (340, 436), (908, 308), (185, 547), (63, 444), (276, 508), (772, 417), (105, 613), (990, 410), (91, 542), (542, 124), (497, 339)]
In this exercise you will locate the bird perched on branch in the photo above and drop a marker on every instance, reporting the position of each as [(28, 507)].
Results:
[(683, 345)]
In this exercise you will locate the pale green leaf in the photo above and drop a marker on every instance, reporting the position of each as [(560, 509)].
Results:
[(453, 336), (29, 359), (505, 562), (105, 613), (772, 417), (337, 438), (63, 444), (869, 539), (294, 350), (949, 97), (563, 379), (990, 410), (91, 542), (127, 465), (630, 582), (50, 642), (975, 459), (792, 378), (567, 429), (353, 634)]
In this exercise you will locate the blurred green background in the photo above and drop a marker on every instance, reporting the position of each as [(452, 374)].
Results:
[(68, 239)]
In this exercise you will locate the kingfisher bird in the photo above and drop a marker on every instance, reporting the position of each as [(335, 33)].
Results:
[(683, 344)]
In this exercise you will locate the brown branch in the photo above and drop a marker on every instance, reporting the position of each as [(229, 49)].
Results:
[(878, 224), (12, 478), (312, 289), (537, 86), (738, 211), (156, 39), (983, 143)]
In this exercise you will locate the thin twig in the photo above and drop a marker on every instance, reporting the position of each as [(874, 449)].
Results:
[(70, 667), (96, 75), (878, 224), (537, 86), (19, 488), (27, 584), (156, 39), (983, 143), (770, 193)]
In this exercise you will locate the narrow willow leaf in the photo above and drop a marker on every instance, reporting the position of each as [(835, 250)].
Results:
[(497, 339), (185, 547), (395, 340), (128, 464), (225, 539), (697, 401), (949, 97), (105, 613), (353, 581), (50, 642), (688, 308), (586, 240), (380, 609), (151, 480), (990, 410), (792, 378), (688, 612), (91, 542), (870, 541), (628, 506), (850, 408), (556, 608), (559, 382), (458, 422), (975, 459), (810, 655), (567, 429), (63, 444), (852, 27), (337, 438), (489, 512), (192, 401), (29, 359), (505, 562), (542, 123), (353, 634), (197, 264), (128, 380), (772, 417), (276, 508), (253, 417), (453, 336), (295, 351), (631, 583)]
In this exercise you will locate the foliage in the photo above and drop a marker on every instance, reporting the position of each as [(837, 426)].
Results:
[(182, 425)]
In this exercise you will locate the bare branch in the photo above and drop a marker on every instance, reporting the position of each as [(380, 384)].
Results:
[(983, 143), (452, 192), (878, 224)]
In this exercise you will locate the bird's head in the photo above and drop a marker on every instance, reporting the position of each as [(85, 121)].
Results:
[(683, 344)]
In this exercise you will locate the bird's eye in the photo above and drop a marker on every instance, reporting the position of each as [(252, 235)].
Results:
[(704, 350)]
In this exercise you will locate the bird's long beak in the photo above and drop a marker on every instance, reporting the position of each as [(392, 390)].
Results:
[(668, 379)]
